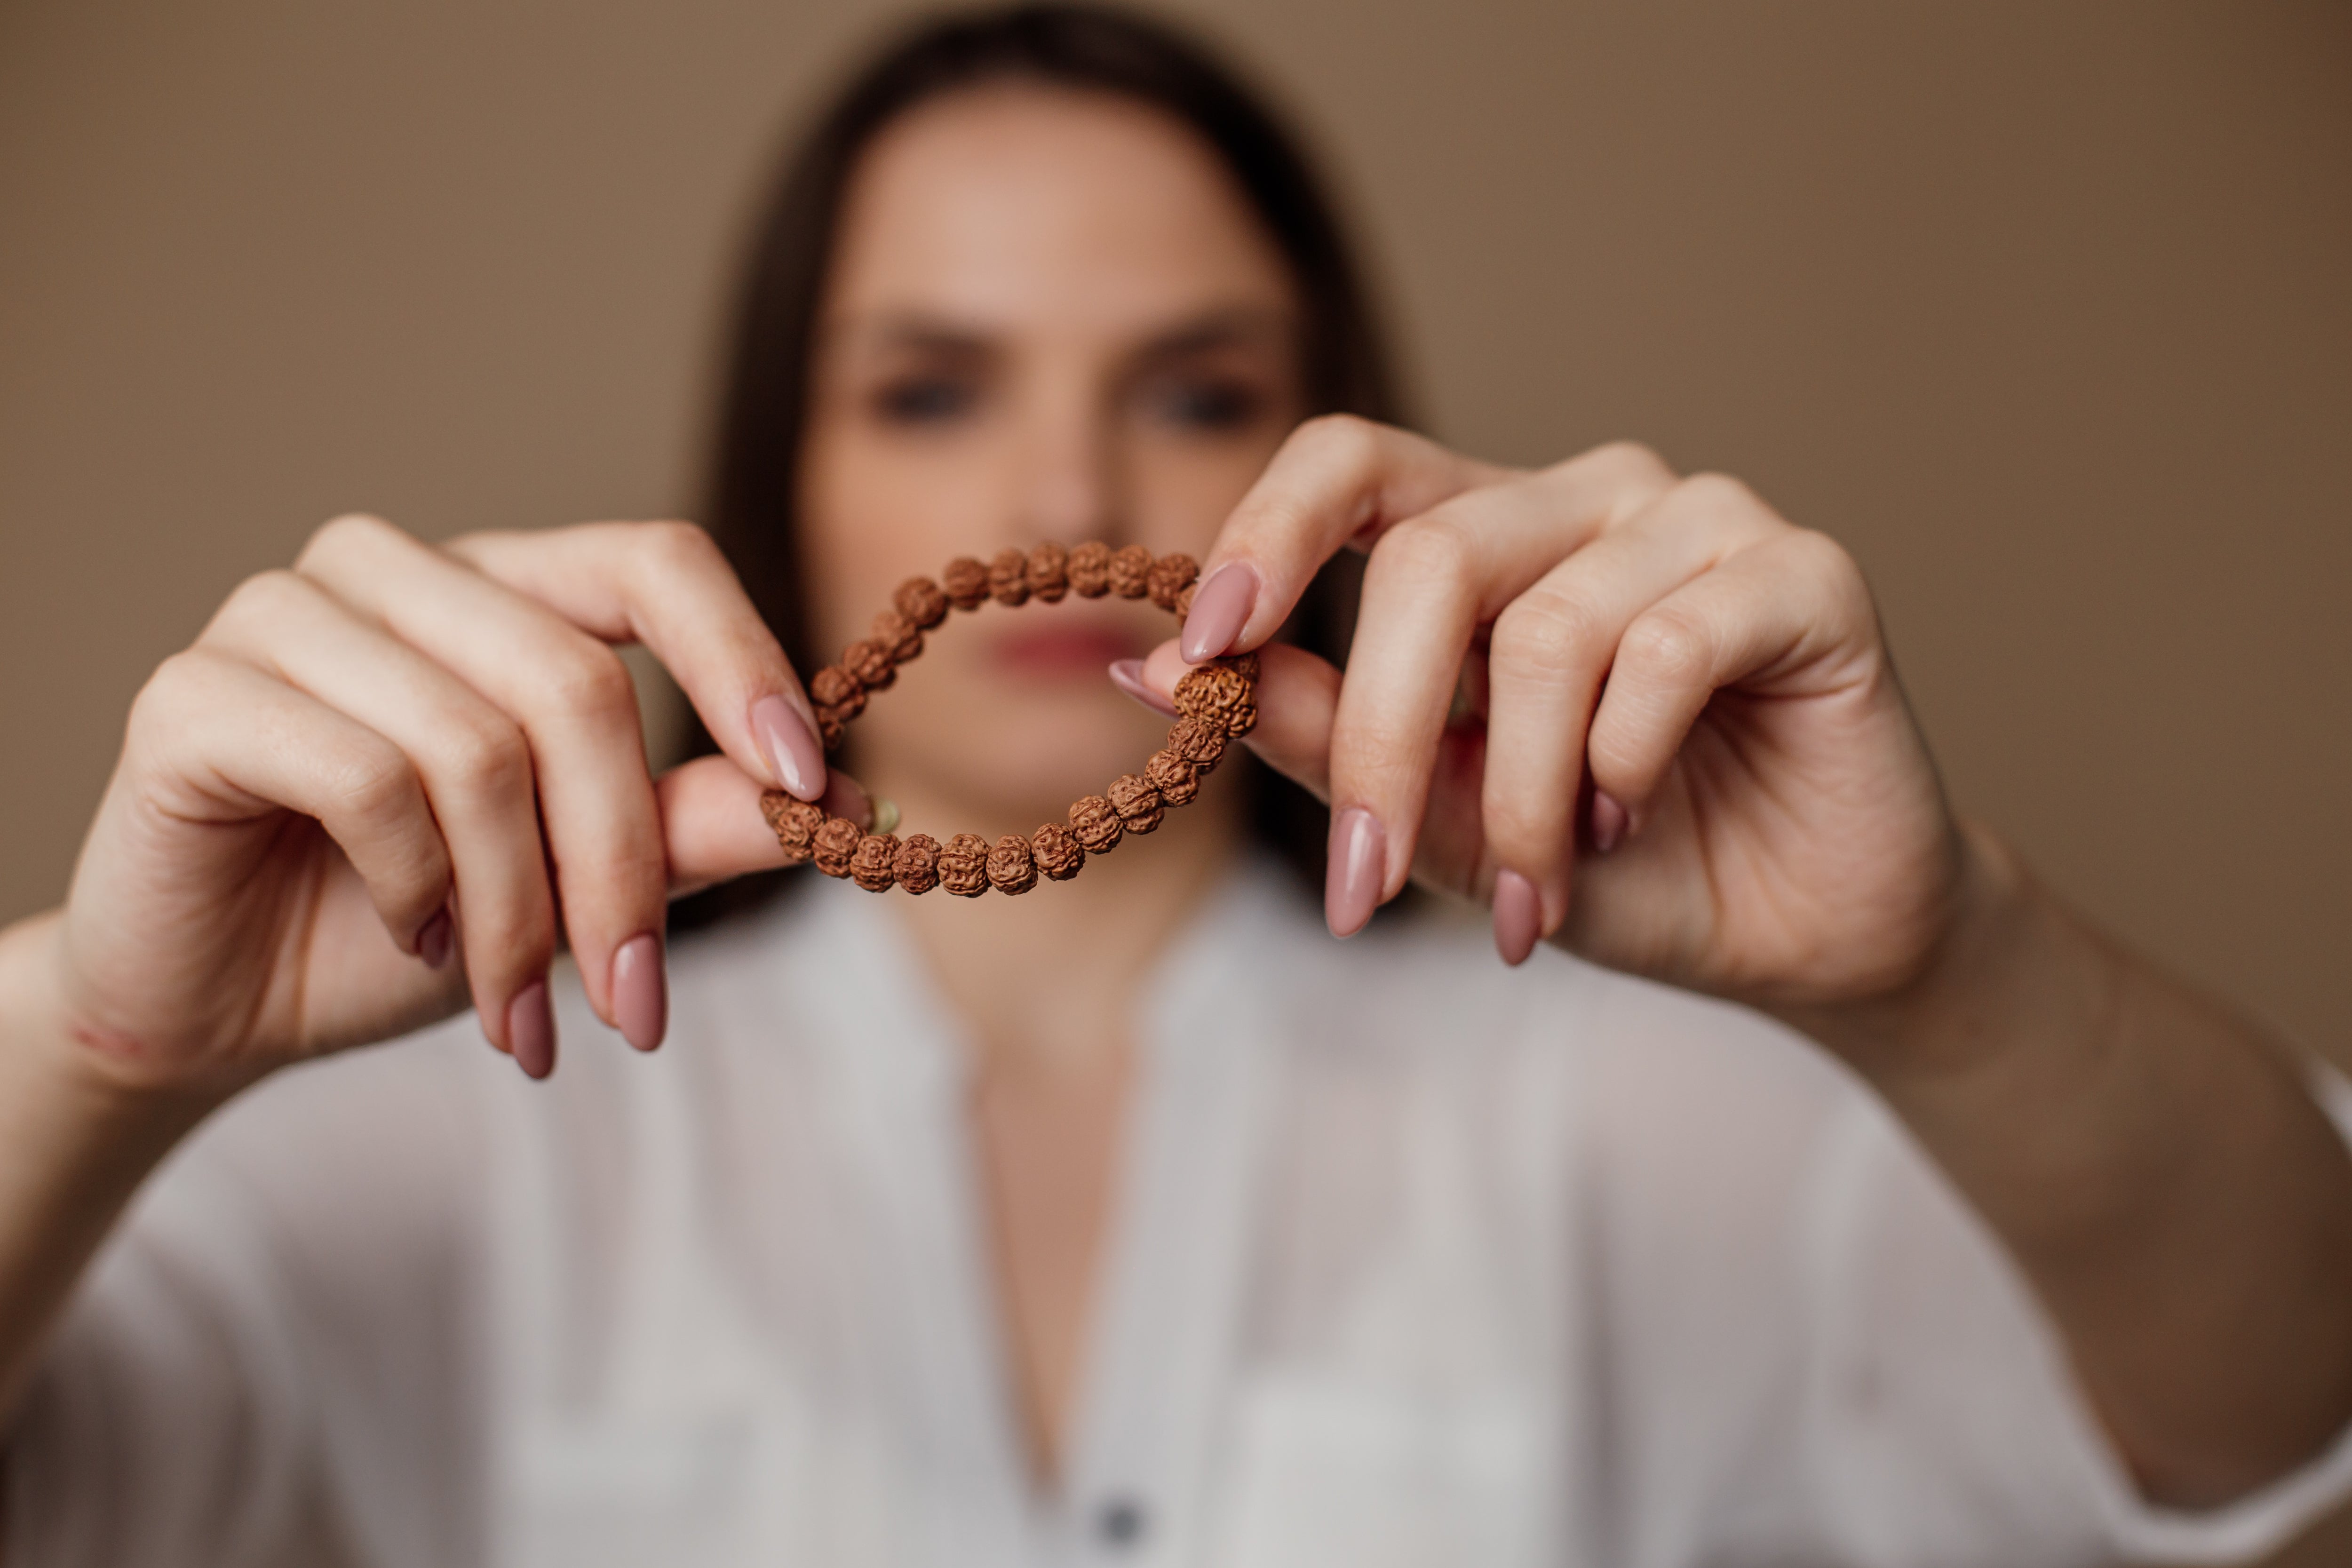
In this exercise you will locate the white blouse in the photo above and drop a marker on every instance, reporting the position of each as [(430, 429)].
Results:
[(1417, 1260)]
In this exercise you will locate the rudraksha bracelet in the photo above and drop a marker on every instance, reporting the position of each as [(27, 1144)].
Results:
[(1216, 702)]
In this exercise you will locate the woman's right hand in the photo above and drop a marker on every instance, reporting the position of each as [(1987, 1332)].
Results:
[(390, 779)]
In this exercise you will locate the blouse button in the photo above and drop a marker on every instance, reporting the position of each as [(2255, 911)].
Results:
[(1120, 1522)]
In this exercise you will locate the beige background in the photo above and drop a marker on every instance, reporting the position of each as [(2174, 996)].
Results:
[(2045, 311)]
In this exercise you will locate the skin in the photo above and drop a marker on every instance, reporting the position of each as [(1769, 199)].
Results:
[(1645, 717)]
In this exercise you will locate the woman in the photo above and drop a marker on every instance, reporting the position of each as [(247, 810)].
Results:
[(1135, 1219)]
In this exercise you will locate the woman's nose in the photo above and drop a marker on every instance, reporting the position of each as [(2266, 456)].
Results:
[(1070, 486)]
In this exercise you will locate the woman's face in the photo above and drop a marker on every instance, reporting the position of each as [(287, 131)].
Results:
[(1050, 317)]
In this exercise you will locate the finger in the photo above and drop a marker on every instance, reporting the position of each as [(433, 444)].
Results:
[(1431, 582), (1298, 698), (1550, 654), (212, 739), (1788, 617), (666, 585), (474, 762), (576, 707), (1337, 479)]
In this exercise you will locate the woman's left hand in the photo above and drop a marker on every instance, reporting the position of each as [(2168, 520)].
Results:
[(1641, 714)]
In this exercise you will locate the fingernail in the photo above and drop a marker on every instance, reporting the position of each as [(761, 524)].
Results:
[(885, 815), (1518, 917), (641, 991), (1609, 820), (1126, 674), (531, 1029), (1351, 888), (435, 940), (790, 747), (1220, 605)]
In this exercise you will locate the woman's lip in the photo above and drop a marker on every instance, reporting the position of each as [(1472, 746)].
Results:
[(1063, 650)]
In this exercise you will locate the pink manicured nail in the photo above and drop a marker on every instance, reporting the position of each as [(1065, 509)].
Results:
[(436, 939), (1351, 887), (1126, 674), (1609, 820), (531, 1029), (1220, 607), (1518, 917), (641, 991), (790, 747)]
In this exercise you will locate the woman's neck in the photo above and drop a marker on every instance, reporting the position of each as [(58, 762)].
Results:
[(1047, 981)]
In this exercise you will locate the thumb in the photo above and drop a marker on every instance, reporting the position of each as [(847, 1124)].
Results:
[(713, 829)]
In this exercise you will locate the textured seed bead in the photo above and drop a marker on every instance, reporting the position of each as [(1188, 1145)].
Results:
[(1169, 575), (917, 865), (899, 636), (794, 824), (832, 727), (836, 846), (965, 582), (1008, 577), (1131, 571), (871, 663), (1198, 741), (1216, 693), (1097, 823), (1011, 866), (1049, 573), (875, 865), (921, 601), (1057, 852), (834, 686), (1177, 780), (1138, 804), (963, 865), (1184, 603), (1090, 570)]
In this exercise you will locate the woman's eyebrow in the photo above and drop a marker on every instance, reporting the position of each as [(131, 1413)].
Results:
[(924, 333), (1236, 327)]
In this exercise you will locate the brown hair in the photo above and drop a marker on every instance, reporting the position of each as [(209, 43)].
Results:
[(750, 504)]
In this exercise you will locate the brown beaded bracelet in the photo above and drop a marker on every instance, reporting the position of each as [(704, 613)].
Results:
[(1217, 701)]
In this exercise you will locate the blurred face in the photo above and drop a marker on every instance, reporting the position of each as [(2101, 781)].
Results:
[(1050, 316)]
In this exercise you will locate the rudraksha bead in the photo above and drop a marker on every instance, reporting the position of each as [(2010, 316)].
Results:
[(871, 663), (1217, 693), (965, 582), (1169, 575), (1177, 780), (1200, 741), (836, 846), (794, 822), (832, 727), (1184, 605), (921, 601), (1057, 852), (1138, 804), (834, 686), (1090, 570), (1097, 823), (1049, 573), (1011, 866), (918, 866), (1130, 572), (899, 636), (875, 865), (1008, 577), (963, 865)]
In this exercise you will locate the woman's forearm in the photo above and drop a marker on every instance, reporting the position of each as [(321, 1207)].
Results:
[(2158, 1165), (74, 1146)]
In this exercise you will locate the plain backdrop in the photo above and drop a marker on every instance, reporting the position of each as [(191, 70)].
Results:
[(2045, 311)]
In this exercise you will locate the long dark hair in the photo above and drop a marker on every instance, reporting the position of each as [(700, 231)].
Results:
[(751, 506)]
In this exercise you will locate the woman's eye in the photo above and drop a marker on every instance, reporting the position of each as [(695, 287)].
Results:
[(1208, 404), (925, 400)]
